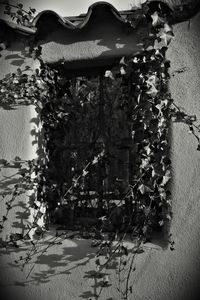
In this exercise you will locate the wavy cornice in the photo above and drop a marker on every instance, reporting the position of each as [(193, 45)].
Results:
[(178, 11)]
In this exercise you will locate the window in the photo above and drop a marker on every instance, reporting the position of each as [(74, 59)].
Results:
[(90, 147)]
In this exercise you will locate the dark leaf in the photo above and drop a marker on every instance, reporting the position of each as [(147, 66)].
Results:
[(97, 262), (5, 218), (20, 5), (3, 162), (19, 12), (33, 10), (125, 250), (17, 158), (8, 205), (157, 20), (2, 46)]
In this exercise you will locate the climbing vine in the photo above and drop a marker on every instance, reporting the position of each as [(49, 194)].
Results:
[(140, 85), (17, 13)]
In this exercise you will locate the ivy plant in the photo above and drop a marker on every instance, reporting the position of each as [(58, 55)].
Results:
[(141, 85)]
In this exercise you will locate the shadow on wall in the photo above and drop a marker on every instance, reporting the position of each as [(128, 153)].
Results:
[(15, 204), (97, 44), (37, 137), (72, 254)]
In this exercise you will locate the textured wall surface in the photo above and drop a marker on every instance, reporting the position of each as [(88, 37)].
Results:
[(61, 272)]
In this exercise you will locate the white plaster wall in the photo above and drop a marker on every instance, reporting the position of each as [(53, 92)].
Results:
[(160, 274)]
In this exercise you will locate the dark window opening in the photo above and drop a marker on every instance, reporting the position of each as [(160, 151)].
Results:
[(94, 129)]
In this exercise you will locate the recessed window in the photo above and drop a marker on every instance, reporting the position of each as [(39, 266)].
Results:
[(90, 148)]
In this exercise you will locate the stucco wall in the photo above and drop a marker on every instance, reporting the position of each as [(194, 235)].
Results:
[(60, 273)]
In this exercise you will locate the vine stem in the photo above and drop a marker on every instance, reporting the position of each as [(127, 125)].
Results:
[(76, 181), (81, 175), (189, 124), (8, 177), (53, 243), (130, 269)]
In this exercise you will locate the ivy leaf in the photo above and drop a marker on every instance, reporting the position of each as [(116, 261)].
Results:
[(168, 28), (152, 91), (145, 163), (8, 205), (161, 223), (19, 12), (157, 20), (191, 129), (3, 162), (166, 178), (145, 229), (122, 61), (163, 195), (135, 60), (166, 37), (144, 189), (125, 250), (85, 173), (95, 160), (7, 9), (16, 237), (105, 280), (122, 71), (15, 244), (168, 217), (152, 80), (2, 46), (33, 10), (109, 74), (147, 211), (97, 262), (4, 218), (139, 251), (19, 72), (20, 5)]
